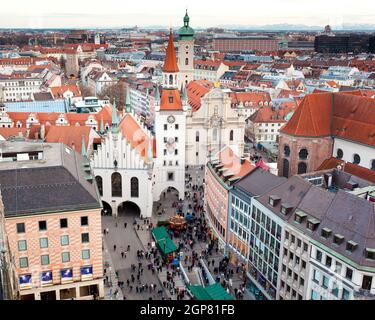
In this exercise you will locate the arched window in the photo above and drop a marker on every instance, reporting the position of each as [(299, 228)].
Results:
[(170, 80), (99, 183), (340, 154), (286, 168), (373, 164), (302, 168), (303, 154), (197, 136), (231, 134), (286, 150), (186, 61), (116, 185), (134, 187), (356, 159)]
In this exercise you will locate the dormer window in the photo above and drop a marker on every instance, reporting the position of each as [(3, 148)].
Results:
[(300, 216), (351, 246), (312, 224), (326, 233), (286, 208), (274, 200), (370, 253), (338, 239)]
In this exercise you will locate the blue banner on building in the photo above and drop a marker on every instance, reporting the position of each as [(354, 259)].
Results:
[(46, 277), (86, 273), (66, 275), (25, 281)]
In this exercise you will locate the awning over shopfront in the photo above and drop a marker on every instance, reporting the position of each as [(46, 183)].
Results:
[(213, 292), (163, 241)]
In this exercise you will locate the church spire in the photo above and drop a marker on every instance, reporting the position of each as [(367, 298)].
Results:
[(83, 148), (149, 151), (101, 125), (127, 101), (157, 95), (170, 63), (114, 118)]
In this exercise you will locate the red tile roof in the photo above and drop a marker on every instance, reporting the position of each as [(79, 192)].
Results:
[(271, 115), (254, 97), (232, 162), (196, 90), (136, 136), (58, 92), (358, 171), (344, 115), (170, 100), (70, 136), (170, 63), (12, 132)]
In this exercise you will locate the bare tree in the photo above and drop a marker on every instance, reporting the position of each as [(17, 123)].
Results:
[(117, 91), (85, 91)]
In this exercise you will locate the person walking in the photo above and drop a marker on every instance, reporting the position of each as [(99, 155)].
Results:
[(122, 254), (114, 247), (125, 225)]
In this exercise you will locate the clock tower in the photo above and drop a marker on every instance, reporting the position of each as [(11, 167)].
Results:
[(186, 52), (170, 129)]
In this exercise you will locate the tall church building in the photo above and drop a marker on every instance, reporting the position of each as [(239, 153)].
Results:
[(186, 53), (170, 129)]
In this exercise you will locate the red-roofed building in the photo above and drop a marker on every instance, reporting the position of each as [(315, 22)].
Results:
[(74, 137), (221, 174), (71, 92), (210, 70), (170, 129), (250, 101), (326, 125), (265, 124)]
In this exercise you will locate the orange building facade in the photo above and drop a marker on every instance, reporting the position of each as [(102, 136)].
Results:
[(56, 243)]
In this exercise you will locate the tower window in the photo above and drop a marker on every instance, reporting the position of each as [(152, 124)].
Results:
[(186, 62), (356, 159), (170, 99), (340, 154)]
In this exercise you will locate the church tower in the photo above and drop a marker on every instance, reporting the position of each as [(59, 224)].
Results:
[(186, 53), (170, 129)]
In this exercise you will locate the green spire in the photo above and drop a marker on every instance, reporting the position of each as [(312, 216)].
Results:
[(186, 20), (183, 92), (101, 126), (149, 152), (157, 94), (114, 118), (186, 32), (83, 148), (127, 102)]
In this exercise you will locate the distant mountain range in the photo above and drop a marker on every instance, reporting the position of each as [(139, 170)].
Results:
[(301, 27), (269, 27), (280, 27)]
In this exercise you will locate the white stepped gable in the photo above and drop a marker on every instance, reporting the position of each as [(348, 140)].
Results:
[(126, 156)]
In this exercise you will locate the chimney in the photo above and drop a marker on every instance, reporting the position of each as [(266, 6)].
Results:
[(243, 160)]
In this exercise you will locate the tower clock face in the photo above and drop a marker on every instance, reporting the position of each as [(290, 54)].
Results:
[(187, 47), (171, 119)]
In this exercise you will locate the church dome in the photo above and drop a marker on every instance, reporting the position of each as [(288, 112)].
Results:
[(186, 32)]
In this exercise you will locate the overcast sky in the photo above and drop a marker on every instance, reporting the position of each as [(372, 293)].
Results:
[(203, 13)]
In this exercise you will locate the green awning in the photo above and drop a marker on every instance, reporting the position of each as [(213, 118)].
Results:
[(163, 241), (213, 292), (160, 233), (166, 246)]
